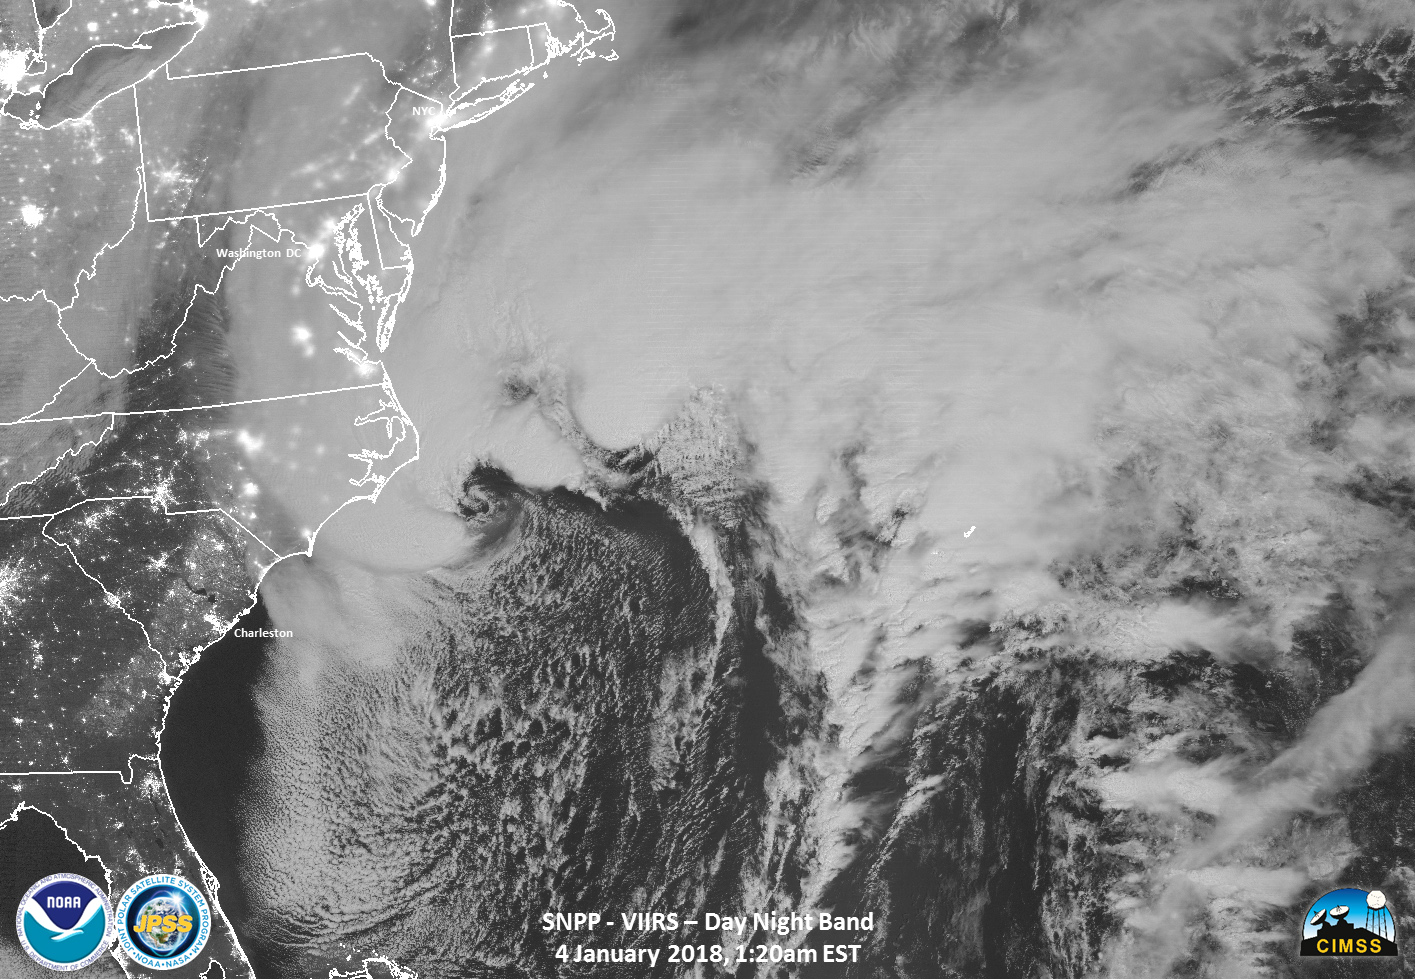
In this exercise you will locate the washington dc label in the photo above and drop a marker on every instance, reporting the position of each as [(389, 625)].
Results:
[(65, 922), (1349, 922)]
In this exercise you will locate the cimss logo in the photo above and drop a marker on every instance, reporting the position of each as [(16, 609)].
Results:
[(65, 922), (163, 922), (1349, 922)]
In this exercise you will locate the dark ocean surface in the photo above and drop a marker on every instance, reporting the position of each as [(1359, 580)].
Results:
[(1158, 703), (209, 744)]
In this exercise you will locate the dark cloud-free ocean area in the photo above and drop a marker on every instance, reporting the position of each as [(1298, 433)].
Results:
[(950, 461)]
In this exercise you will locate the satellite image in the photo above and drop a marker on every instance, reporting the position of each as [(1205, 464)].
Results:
[(860, 489)]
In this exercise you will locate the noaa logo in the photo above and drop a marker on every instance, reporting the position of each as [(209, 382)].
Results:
[(65, 922), (1349, 921), (163, 922)]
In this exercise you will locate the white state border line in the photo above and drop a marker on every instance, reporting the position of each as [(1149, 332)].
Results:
[(502, 30), (35, 124), (525, 69), (22, 806), (382, 70), (72, 771), (586, 37), (373, 195), (259, 207), (374, 205), (167, 66), (169, 411), (143, 497), (142, 160), (186, 315)]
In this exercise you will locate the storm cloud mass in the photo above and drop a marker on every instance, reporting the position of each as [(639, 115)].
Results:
[(950, 461)]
